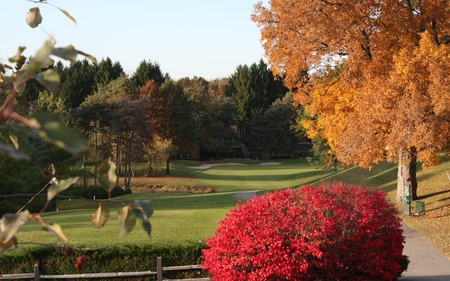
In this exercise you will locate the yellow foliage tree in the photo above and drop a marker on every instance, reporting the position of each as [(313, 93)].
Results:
[(373, 75)]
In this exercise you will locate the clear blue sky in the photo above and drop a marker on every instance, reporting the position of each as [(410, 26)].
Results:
[(207, 38)]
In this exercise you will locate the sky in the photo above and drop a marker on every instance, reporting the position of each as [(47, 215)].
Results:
[(204, 38)]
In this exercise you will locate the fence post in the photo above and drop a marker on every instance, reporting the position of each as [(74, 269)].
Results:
[(37, 275), (159, 269)]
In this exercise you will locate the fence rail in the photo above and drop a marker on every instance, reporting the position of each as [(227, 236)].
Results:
[(36, 276)]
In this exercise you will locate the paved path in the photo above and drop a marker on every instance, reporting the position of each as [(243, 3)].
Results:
[(246, 195), (426, 262)]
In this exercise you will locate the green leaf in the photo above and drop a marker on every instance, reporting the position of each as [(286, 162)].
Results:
[(68, 53), (49, 79), (12, 152), (10, 223), (147, 227), (107, 176), (145, 207), (143, 210), (126, 220), (53, 131), (56, 230), (9, 142), (57, 188), (40, 60), (100, 217), (34, 17)]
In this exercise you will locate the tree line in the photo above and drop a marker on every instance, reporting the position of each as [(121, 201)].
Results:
[(152, 118)]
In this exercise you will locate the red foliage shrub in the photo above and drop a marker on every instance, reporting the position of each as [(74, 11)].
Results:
[(332, 232)]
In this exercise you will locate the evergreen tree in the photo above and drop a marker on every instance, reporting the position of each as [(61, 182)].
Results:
[(77, 83), (273, 133), (253, 89), (107, 72), (147, 71)]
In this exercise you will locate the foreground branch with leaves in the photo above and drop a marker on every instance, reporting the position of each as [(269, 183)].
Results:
[(53, 131)]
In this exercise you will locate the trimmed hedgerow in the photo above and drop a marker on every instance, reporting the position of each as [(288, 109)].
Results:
[(332, 232), (125, 258)]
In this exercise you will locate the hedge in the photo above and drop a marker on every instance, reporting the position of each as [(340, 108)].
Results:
[(128, 258)]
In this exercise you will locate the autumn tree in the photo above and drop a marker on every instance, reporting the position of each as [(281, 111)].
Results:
[(180, 123), (157, 148), (217, 87), (208, 104), (171, 116), (157, 152), (373, 75)]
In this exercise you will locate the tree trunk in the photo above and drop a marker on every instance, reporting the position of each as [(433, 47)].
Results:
[(413, 173), (406, 175), (95, 161), (128, 166), (118, 158), (168, 166), (149, 171), (85, 175)]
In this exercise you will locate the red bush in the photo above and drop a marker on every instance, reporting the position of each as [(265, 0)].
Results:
[(332, 232)]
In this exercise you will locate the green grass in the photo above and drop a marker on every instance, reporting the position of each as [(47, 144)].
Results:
[(252, 176), (178, 217), (182, 218), (433, 190)]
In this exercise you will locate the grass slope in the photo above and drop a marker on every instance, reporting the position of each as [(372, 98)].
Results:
[(433, 190)]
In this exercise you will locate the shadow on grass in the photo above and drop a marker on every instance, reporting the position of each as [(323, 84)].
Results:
[(435, 194), (439, 208), (383, 176)]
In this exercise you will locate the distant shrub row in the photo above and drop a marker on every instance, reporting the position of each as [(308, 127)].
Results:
[(90, 192), (13, 204)]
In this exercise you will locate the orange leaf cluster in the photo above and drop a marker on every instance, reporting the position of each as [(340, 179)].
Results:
[(377, 72)]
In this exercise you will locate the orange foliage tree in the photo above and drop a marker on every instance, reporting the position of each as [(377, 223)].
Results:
[(373, 75)]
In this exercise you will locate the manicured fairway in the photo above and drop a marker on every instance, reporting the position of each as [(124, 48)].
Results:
[(190, 218), (178, 217)]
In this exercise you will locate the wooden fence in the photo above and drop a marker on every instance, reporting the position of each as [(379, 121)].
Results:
[(36, 276)]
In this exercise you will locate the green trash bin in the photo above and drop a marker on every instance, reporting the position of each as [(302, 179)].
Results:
[(419, 209)]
